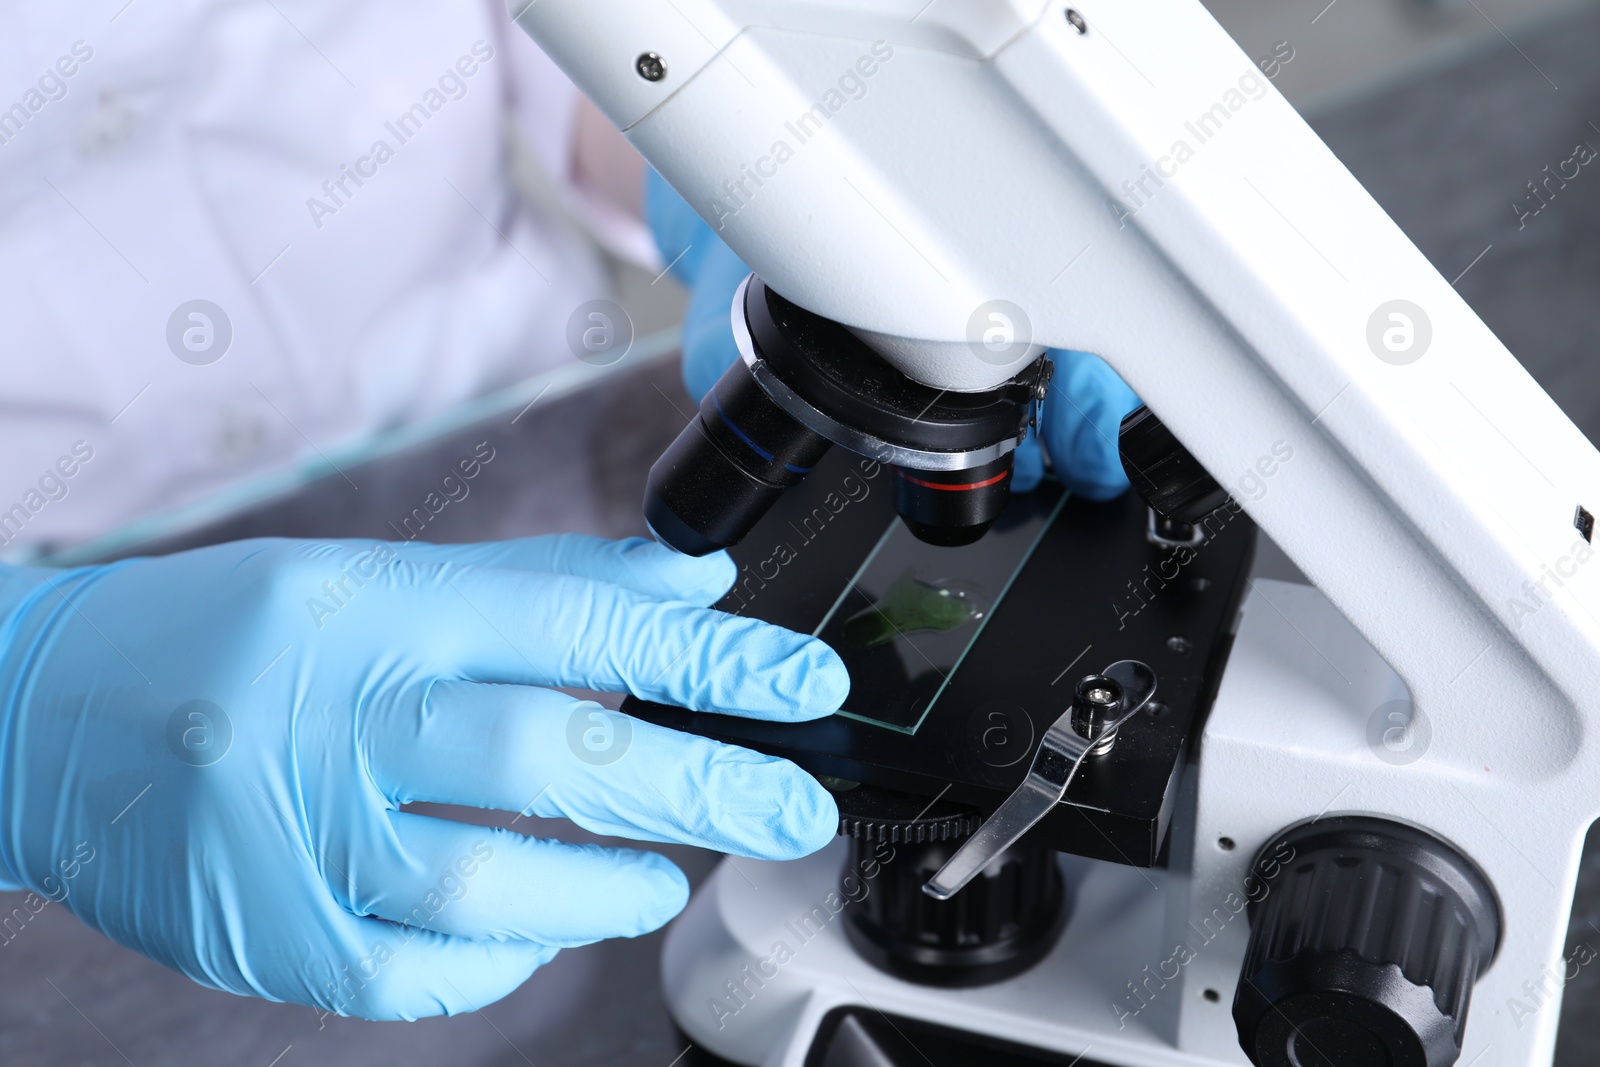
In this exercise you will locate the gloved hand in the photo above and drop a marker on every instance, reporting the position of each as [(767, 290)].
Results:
[(204, 755), (1079, 421)]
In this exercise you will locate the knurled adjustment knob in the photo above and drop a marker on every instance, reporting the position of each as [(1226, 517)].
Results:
[(870, 813), (1002, 923), (1365, 951)]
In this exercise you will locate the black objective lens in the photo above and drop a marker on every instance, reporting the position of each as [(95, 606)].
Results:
[(733, 462), (727, 467), (1164, 472), (953, 508)]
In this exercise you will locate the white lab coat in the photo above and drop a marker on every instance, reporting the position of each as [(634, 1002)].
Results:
[(158, 152)]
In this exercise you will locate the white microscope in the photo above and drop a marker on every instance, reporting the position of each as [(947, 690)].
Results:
[(1368, 844)]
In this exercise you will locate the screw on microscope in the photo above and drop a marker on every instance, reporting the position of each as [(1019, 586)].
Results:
[(1095, 706), (651, 67), (1041, 384)]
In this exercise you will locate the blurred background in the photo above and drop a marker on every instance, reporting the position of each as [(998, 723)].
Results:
[(1444, 109)]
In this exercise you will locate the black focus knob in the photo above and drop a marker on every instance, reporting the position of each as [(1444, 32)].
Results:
[(1163, 472), (999, 925), (1365, 952)]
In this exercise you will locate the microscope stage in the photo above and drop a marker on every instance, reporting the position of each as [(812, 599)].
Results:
[(961, 658)]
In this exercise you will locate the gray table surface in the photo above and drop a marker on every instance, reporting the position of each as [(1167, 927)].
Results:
[(1445, 153)]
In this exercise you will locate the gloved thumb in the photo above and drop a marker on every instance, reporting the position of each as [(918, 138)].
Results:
[(1080, 421), (683, 237)]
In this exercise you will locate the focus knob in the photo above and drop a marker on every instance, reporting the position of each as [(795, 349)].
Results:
[(1001, 924), (1366, 950)]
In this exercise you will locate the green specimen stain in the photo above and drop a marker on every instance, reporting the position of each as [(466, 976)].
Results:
[(910, 606)]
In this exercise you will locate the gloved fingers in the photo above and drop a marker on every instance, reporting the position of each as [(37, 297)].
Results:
[(702, 261), (708, 345), (1080, 422), (1027, 466), (494, 625), (682, 237), (489, 884), (634, 563), (393, 972), (543, 753)]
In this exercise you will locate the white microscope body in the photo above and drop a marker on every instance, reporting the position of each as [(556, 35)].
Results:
[(1128, 183)]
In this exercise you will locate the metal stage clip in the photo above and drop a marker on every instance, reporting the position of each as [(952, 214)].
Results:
[(1115, 696)]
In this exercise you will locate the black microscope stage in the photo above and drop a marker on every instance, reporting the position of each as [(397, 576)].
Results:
[(961, 658)]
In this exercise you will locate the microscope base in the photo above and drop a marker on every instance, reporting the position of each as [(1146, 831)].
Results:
[(1308, 724), (770, 932)]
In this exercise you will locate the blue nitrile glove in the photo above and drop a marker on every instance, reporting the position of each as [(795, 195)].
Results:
[(1080, 419), (204, 755)]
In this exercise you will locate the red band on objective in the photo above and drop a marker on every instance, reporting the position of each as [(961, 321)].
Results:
[(952, 488)]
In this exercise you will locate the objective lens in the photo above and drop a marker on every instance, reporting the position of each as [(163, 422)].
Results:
[(727, 467), (953, 508)]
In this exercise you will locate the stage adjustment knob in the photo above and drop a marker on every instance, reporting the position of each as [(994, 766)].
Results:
[(1001, 924), (1365, 952)]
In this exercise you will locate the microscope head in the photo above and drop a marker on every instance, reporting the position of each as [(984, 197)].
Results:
[(804, 384)]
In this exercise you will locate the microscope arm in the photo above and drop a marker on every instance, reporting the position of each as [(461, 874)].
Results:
[(1141, 192), (1137, 189)]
